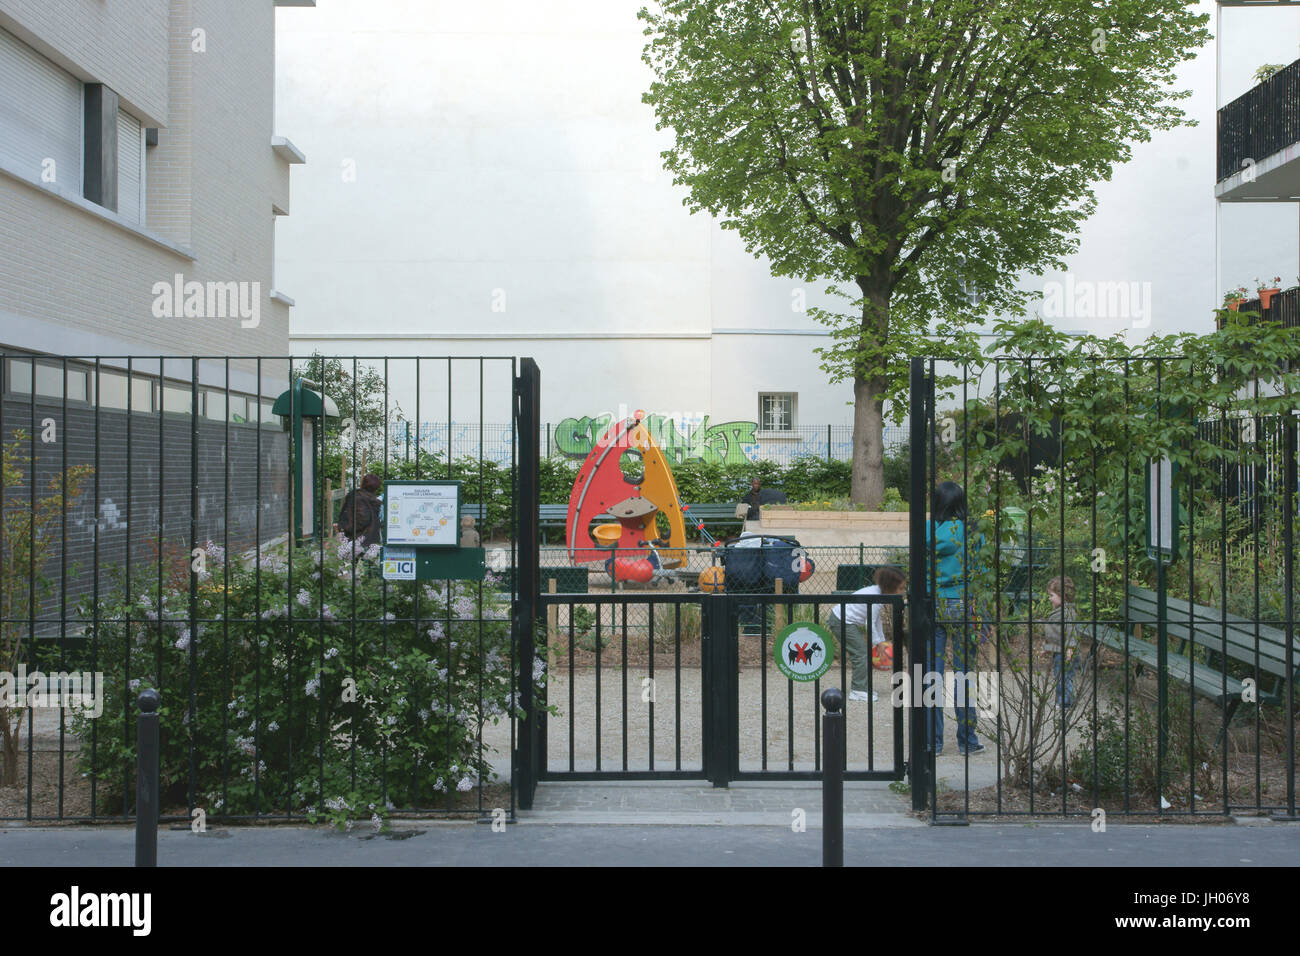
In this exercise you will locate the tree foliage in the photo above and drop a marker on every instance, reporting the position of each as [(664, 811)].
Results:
[(909, 151)]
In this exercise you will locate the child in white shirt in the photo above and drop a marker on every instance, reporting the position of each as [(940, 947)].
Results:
[(851, 631)]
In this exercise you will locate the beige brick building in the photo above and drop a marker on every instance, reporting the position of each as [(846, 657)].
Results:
[(137, 146)]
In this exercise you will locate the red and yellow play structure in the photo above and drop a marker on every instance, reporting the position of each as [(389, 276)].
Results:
[(622, 488)]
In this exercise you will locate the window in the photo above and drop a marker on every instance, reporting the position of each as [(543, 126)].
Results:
[(49, 380), (112, 390), (238, 409), (40, 117), (214, 405), (142, 392), (130, 167), (177, 400), (776, 411)]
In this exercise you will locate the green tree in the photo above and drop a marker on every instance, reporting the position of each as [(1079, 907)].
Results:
[(29, 540), (910, 151), (361, 393)]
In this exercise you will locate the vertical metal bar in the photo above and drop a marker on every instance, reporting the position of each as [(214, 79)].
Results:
[(225, 590), (677, 680), (1162, 617), (572, 724), (63, 567), (94, 629), (835, 755), (828, 442), (527, 412), (126, 583), (715, 689), (1288, 565), (257, 599), (623, 682), (31, 571), (997, 563), (896, 633), (192, 786), (146, 781), (917, 598), (1128, 626), (650, 646), (1223, 587)]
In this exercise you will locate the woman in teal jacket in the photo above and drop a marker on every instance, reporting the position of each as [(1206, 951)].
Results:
[(945, 538)]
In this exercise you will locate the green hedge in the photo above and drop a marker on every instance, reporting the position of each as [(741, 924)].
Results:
[(804, 479)]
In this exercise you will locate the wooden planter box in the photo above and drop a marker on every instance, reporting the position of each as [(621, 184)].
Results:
[(883, 528)]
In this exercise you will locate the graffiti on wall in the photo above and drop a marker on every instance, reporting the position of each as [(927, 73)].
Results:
[(725, 443)]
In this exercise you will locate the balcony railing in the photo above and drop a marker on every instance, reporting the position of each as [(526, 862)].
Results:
[(1261, 122), (1283, 307)]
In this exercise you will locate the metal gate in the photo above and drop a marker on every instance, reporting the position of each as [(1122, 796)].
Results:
[(676, 684)]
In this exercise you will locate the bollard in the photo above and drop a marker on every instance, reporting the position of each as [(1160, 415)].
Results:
[(146, 781), (833, 755)]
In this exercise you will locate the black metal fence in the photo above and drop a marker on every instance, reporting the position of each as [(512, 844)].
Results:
[(685, 686), (1167, 685), (1260, 122), (151, 536)]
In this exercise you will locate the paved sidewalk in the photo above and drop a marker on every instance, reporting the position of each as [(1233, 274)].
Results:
[(687, 803), (469, 844)]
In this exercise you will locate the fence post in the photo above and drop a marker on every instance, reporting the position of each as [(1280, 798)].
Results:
[(1288, 576), (833, 757), (918, 604), (716, 637), (828, 442), (146, 781)]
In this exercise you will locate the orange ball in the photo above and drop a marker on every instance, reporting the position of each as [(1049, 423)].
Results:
[(882, 657), (712, 579)]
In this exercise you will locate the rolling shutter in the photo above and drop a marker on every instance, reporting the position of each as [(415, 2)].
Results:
[(40, 116), (130, 170)]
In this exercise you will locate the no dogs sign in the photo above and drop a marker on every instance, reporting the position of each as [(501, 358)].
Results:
[(804, 651)]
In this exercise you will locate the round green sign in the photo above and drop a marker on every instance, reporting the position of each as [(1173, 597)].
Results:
[(804, 651)]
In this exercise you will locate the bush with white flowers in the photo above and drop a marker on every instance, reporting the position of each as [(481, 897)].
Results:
[(309, 685)]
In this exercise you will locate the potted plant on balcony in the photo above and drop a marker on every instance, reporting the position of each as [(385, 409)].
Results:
[(1233, 298), (1267, 291), (1266, 70)]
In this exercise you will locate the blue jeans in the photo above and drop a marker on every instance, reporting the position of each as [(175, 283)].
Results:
[(951, 615), (1066, 682)]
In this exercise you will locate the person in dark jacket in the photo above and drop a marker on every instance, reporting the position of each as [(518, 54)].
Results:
[(758, 496), (359, 516)]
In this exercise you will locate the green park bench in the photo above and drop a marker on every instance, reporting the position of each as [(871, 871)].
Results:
[(554, 517), (854, 577), (1221, 637), (568, 580)]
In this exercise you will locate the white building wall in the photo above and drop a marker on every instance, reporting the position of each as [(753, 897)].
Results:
[(77, 278), (489, 170)]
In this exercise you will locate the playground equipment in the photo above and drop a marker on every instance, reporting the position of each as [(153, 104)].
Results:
[(712, 579), (627, 478)]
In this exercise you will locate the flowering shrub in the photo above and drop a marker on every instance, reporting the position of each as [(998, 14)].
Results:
[(317, 688)]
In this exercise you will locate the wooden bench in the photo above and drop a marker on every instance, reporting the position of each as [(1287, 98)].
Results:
[(1217, 635)]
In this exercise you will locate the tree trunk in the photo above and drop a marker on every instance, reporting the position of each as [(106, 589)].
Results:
[(868, 479), (867, 484)]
